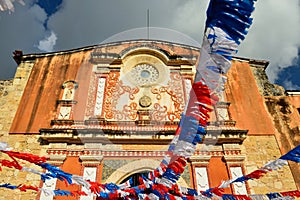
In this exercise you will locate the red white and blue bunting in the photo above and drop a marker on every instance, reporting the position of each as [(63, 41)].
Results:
[(226, 26), (161, 185)]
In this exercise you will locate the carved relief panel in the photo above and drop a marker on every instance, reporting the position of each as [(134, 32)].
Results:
[(142, 83), (201, 178), (239, 188)]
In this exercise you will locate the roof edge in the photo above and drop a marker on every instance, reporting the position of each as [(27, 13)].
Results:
[(18, 54)]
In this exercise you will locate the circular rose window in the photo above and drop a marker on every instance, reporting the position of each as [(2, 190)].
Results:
[(144, 74)]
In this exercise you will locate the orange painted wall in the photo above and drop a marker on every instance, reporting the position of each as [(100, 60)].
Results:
[(39, 101), (72, 166), (217, 172), (295, 113), (38, 105), (247, 105)]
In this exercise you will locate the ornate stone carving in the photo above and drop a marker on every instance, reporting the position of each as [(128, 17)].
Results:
[(175, 90), (90, 106), (144, 74), (159, 112), (145, 101), (100, 96), (114, 90)]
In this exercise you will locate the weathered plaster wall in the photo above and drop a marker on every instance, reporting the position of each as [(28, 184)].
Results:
[(38, 105), (247, 106), (283, 109), (272, 121)]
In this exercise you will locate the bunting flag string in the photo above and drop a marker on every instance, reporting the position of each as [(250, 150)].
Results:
[(162, 186), (292, 155), (279, 195), (226, 26)]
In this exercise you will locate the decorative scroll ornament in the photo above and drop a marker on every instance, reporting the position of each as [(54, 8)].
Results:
[(174, 91), (114, 90)]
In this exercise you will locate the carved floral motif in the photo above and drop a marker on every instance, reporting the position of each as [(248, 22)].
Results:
[(159, 112), (114, 90), (175, 90), (115, 109)]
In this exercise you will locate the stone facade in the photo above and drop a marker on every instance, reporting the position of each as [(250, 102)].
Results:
[(11, 92), (107, 112), (259, 150)]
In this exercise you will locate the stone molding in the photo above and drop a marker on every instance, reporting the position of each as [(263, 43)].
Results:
[(57, 159), (234, 159), (200, 159), (91, 160)]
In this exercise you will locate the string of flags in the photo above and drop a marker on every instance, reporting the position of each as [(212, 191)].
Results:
[(155, 183), (226, 26)]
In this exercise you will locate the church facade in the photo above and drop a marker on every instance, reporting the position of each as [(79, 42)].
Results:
[(109, 112)]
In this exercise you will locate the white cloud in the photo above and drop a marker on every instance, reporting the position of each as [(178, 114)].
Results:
[(21, 30), (274, 35), (38, 13), (48, 43), (190, 18), (93, 21)]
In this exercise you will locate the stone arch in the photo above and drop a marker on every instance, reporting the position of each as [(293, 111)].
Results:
[(136, 167), (145, 57), (146, 49)]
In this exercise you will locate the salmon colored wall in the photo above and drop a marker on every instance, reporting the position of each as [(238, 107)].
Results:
[(247, 106), (72, 166), (217, 172), (38, 104)]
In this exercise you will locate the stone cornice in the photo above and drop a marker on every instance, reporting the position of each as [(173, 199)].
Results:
[(200, 159), (92, 160), (234, 159), (56, 159)]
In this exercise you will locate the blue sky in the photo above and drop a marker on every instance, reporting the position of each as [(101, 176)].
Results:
[(50, 6), (54, 25), (290, 76)]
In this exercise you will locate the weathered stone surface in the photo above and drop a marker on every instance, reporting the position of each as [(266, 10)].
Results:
[(285, 114), (264, 86), (259, 150), (10, 96)]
